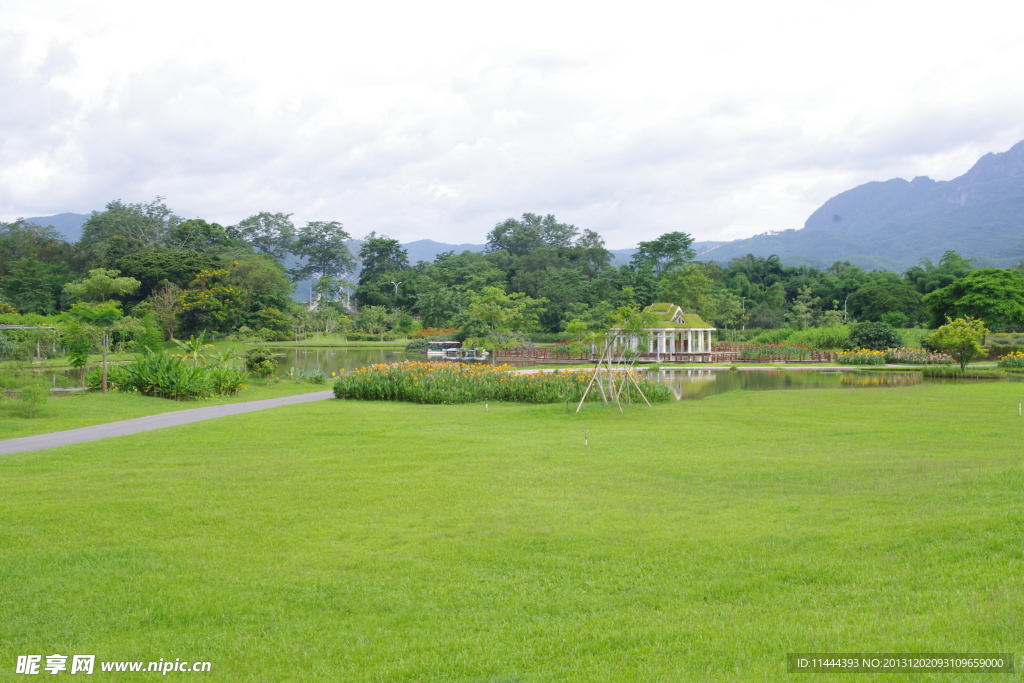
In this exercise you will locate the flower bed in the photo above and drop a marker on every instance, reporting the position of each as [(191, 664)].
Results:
[(916, 357), (861, 357), (452, 383), (1012, 360)]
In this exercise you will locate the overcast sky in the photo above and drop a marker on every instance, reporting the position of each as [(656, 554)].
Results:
[(436, 120)]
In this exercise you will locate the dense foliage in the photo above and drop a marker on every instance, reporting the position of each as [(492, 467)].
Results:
[(156, 373)]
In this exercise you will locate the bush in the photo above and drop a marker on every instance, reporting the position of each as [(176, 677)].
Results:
[(773, 336), (895, 319), (261, 362), (916, 357), (311, 376), (778, 351), (452, 383), (862, 357), (822, 338), (875, 336)]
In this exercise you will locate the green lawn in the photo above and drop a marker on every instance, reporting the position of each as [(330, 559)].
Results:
[(692, 541), (64, 411)]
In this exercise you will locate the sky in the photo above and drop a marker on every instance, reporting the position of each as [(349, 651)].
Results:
[(438, 120)]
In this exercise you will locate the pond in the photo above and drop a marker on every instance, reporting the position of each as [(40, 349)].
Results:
[(687, 384), (698, 384)]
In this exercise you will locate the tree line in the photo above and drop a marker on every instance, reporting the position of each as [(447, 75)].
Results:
[(536, 276)]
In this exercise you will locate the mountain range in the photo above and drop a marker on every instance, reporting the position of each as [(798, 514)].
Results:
[(883, 225), (893, 224)]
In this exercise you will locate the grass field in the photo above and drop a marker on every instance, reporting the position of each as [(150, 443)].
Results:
[(64, 411), (692, 541)]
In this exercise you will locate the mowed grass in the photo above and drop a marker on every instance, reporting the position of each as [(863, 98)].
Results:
[(694, 541), (64, 411)]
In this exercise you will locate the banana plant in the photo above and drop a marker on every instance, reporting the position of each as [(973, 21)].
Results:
[(193, 348)]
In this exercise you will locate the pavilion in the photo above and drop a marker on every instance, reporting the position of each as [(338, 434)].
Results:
[(676, 336)]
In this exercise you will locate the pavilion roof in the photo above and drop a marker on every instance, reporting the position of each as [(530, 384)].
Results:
[(672, 317)]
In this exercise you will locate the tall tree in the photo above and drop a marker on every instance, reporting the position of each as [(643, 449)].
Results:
[(322, 245), (519, 237), (199, 236), (669, 251), (126, 228), (268, 233)]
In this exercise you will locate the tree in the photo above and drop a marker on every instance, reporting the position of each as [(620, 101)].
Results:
[(126, 228), (102, 315), (928, 277), (101, 285), (960, 338), (373, 319), (503, 312), (531, 232), (669, 251), (80, 339), (29, 286), (872, 301), (380, 255), (992, 295), (272, 234), (151, 268), (383, 262), (193, 348), (197, 235), (165, 305), (322, 245)]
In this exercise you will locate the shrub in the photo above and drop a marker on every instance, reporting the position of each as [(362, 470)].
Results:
[(778, 351), (261, 362), (773, 336), (1012, 360), (875, 336), (895, 319), (862, 357), (823, 338), (452, 383), (916, 357)]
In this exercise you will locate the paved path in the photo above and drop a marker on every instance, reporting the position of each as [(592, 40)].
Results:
[(145, 424)]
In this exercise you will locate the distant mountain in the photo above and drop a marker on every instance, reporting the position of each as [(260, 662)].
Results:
[(67, 224), (894, 224)]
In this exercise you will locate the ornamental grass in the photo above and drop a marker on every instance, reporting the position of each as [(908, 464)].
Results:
[(452, 383), (861, 357)]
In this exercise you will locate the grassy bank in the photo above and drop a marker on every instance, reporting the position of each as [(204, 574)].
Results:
[(694, 541)]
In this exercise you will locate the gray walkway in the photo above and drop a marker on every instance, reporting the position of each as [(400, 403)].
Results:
[(145, 424)]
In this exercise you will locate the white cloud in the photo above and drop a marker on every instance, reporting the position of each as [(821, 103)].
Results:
[(438, 120)]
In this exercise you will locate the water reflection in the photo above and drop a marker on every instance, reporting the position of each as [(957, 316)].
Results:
[(331, 360), (699, 384)]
